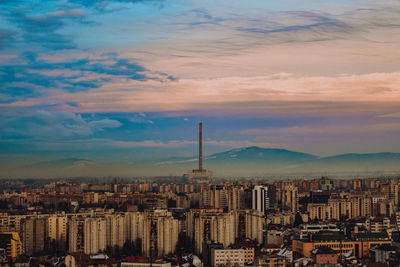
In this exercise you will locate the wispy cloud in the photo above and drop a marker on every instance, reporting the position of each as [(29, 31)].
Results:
[(43, 29), (51, 125), (390, 115), (298, 26), (232, 92), (6, 36), (34, 77)]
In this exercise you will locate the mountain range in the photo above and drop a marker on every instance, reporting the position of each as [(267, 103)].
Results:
[(242, 162), (257, 161)]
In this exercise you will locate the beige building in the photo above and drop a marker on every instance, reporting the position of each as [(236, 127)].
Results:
[(249, 224), (386, 208), (283, 218), (182, 201), (235, 198), (116, 230), (91, 198), (224, 227), (227, 257), (160, 233), (377, 225), (76, 234), (157, 230), (11, 223), (210, 224), (391, 191), (353, 206), (134, 224), (57, 229), (94, 235), (215, 197), (289, 198)]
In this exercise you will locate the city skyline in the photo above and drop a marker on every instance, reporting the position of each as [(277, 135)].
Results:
[(128, 81)]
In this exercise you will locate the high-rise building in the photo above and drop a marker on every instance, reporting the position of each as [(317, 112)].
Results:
[(290, 199), (134, 226), (236, 198), (210, 224), (76, 234), (356, 184), (57, 230), (156, 231), (160, 233), (116, 230), (353, 206), (249, 224), (34, 231), (215, 197), (391, 191), (224, 227), (260, 198), (94, 235)]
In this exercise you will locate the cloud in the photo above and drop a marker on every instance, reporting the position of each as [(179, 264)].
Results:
[(105, 123), (6, 37), (274, 94), (140, 117), (10, 94), (104, 5), (52, 125), (43, 29), (307, 130), (390, 115), (31, 76), (297, 26), (386, 127), (72, 104)]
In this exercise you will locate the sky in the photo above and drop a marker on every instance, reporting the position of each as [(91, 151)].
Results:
[(130, 80)]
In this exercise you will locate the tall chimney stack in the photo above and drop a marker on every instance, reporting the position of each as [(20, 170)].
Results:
[(200, 147)]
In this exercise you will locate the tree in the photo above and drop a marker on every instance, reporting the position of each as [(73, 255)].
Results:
[(298, 220), (128, 248), (184, 244), (3, 204)]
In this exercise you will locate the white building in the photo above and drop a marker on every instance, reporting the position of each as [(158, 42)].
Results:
[(260, 198)]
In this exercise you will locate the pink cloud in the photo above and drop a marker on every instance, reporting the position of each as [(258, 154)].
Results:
[(188, 94)]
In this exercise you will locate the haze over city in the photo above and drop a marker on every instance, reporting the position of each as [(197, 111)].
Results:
[(122, 85)]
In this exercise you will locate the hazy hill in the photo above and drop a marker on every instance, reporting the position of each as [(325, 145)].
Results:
[(243, 162), (261, 155)]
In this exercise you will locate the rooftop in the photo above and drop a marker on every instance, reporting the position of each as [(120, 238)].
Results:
[(323, 250)]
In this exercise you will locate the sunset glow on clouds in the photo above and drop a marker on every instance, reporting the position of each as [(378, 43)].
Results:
[(320, 77)]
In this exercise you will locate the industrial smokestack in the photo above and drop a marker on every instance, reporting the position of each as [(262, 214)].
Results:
[(200, 146)]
